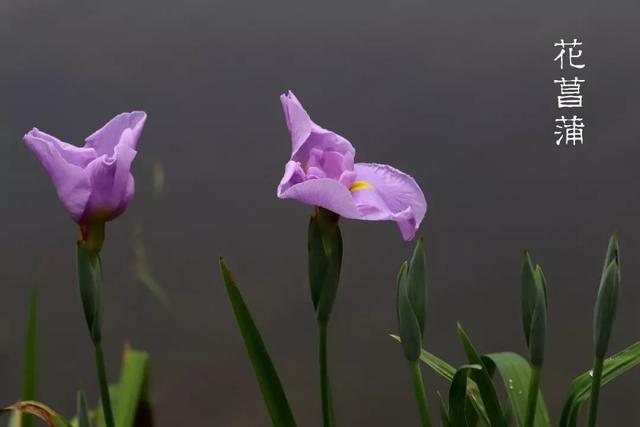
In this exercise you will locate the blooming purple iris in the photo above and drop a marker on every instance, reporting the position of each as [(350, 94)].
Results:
[(94, 182), (321, 172)]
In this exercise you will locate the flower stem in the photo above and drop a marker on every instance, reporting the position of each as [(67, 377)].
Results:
[(532, 399), (595, 390), (104, 385), (421, 397), (325, 388)]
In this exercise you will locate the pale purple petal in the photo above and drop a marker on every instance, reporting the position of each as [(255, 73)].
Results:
[(386, 193), (324, 192), (61, 162), (298, 121), (111, 185), (79, 156), (324, 140), (331, 164), (293, 174), (125, 128), (306, 135)]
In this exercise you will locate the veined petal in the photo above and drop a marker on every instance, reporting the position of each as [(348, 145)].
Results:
[(79, 156), (112, 185), (125, 129), (324, 140), (385, 193), (324, 192), (62, 163)]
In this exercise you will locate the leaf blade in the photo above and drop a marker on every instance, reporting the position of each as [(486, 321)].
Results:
[(580, 387), (483, 380), (515, 372), (268, 380)]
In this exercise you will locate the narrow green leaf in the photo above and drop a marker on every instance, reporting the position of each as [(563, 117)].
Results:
[(131, 397), (483, 381), (444, 411), (580, 388), (83, 411), (458, 396), (516, 373), (272, 391), (29, 368), (471, 411)]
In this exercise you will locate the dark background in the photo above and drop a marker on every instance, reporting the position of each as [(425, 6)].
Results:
[(458, 94)]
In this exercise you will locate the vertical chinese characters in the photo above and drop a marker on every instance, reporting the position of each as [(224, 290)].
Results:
[(569, 130)]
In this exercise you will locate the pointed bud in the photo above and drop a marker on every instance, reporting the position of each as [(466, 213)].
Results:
[(606, 307), (411, 302), (534, 309), (325, 261)]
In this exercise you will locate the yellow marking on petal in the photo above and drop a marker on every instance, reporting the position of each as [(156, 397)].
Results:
[(360, 185)]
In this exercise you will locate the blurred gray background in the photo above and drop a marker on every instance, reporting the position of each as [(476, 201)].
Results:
[(458, 94)]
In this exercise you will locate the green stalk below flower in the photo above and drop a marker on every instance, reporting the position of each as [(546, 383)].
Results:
[(595, 390), (328, 416), (421, 397), (532, 399), (104, 385)]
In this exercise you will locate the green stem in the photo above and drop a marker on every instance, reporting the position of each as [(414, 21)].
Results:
[(595, 390), (104, 385), (532, 399), (325, 388), (421, 397)]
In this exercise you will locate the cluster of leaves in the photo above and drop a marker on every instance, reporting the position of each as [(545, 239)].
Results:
[(473, 397), (129, 395)]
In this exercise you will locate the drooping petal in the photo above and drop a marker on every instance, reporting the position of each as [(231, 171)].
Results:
[(63, 163), (125, 128), (382, 192), (324, 192), (111, 185)]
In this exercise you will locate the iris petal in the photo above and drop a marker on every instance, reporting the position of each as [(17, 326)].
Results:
[(324, 192), (125, 128), (393, 195), (61, 162)]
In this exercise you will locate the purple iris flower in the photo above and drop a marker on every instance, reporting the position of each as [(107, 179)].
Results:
[(322, 172), (94, 182)]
